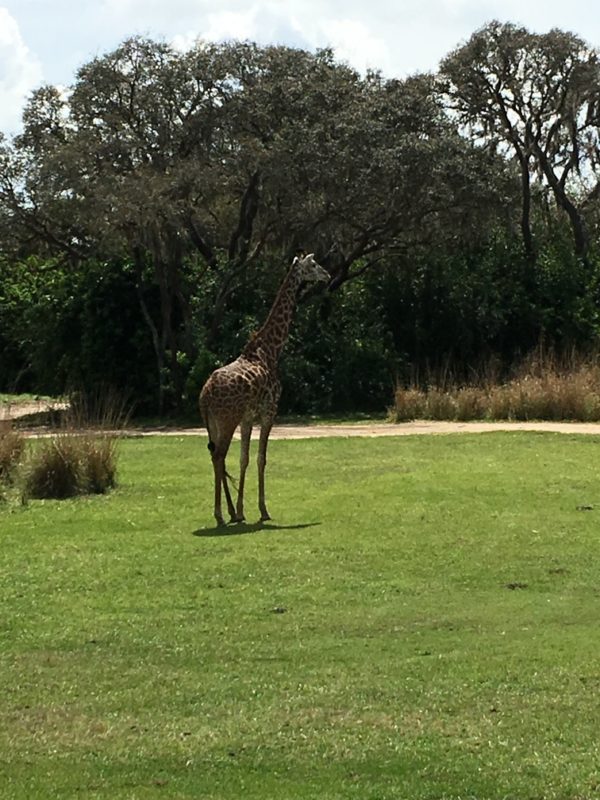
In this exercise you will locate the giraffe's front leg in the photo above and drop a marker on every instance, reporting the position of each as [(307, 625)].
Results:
[(262, 463), (218, 466), (246, 433), (230, 506)]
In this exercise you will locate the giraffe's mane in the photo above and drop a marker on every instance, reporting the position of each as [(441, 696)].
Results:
[(250, 347), (253, 342)]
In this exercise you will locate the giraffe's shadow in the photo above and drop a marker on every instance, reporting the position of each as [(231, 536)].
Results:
[(240, 528)]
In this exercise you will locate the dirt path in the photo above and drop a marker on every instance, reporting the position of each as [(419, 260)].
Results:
[(419, 427), (369, 429), (17, 410)]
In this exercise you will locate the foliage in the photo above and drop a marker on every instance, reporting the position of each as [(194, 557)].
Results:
[(418, 621), (66, 328), (538, 95), (148, 213), (57, 469)]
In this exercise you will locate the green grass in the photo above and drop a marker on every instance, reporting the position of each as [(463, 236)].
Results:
[(15, 399), (420, 620)]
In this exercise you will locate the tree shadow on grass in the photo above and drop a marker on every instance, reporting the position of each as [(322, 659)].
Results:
[(240, 528)]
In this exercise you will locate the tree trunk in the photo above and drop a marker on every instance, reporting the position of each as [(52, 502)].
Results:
[(578, 227), (526, 210), (156, 343)]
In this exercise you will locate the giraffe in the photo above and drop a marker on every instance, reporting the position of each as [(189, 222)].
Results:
[(247, 391)]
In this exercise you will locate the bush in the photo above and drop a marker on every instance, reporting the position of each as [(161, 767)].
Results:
[(71, 464), (55, 470), (99, 468), (81, 458), (470, 403)]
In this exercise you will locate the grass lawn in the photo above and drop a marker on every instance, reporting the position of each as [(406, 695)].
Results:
[(419, 621)]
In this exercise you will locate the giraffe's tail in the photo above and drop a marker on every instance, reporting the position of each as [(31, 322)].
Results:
[(208, 424), (212, 429)]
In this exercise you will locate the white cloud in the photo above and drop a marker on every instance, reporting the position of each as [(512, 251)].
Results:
[(356, 44), (20, 72), (399, 37), (231, 25), (262, 22), (266, 22)]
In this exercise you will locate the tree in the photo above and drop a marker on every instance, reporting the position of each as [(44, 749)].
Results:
[(538, 97)]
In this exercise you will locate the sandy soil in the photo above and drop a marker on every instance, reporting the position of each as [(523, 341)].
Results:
[(352, 429)]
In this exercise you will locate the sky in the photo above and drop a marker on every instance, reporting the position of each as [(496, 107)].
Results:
[(46, 41)]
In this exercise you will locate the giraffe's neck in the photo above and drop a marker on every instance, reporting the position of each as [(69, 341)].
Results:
[(270, 339)]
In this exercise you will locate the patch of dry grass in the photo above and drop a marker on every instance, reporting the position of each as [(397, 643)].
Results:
[(81, 458), (542, 389)]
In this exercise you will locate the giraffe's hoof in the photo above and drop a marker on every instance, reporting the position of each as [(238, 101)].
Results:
[(264, 518)]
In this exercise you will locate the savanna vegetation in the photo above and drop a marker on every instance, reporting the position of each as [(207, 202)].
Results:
[(147, 213)]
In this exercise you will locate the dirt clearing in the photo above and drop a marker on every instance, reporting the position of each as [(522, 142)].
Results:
[(367, 429)]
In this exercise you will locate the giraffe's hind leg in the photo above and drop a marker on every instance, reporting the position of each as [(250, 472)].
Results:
[(221, 478), (219, 450)]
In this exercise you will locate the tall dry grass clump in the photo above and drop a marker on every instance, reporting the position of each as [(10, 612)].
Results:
[(409, 404), (12, 446), (543, 388), (81, 458)]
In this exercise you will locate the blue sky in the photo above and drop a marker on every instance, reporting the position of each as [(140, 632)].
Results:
[(45, 41)]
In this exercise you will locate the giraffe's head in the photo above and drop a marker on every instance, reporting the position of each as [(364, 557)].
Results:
[(309, 271)]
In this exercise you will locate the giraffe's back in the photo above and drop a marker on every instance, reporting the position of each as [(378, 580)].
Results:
[(236, 390)]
